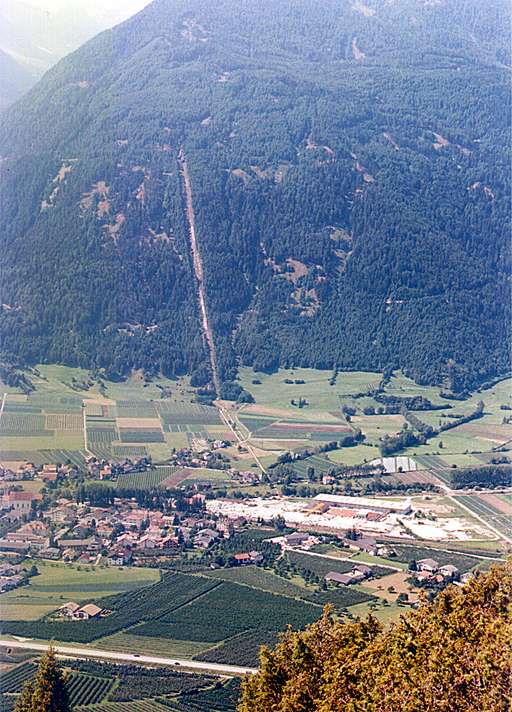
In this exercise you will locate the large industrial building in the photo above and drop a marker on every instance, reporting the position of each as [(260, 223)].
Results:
[(385, 506)]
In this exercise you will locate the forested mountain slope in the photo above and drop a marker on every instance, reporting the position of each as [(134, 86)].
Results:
[(349, 164)]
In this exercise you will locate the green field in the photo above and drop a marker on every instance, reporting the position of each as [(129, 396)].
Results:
[(213, 617), (273, 391), (58, 583), (51, 419), (145, 480), (265, 422)]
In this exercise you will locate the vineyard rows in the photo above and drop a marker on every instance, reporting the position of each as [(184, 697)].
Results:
[(88, 690), (13, 680)]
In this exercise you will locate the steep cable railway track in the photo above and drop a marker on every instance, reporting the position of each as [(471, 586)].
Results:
[(198, 269)]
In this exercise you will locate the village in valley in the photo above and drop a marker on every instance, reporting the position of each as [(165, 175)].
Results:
[(133, 514)]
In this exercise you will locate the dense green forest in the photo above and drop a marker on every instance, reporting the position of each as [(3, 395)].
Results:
[(350, 170)]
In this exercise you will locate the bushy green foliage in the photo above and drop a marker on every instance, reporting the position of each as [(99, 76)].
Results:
[(370, 148), (490, 476), (449, 656)]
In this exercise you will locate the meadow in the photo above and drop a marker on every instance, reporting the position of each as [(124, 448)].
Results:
[(270, 420), (58, 583)]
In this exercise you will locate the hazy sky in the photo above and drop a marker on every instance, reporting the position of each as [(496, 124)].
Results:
[(117, 9)]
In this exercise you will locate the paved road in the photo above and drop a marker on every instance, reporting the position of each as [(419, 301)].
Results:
[(188, 665)]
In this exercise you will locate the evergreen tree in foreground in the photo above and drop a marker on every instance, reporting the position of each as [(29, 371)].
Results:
[(47, 692), (453, 655)]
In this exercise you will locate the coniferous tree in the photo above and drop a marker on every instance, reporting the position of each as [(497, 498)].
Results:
[(48, 691)]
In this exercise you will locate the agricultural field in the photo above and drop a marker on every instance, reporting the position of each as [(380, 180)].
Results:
[(320, 565), (268, 422), (150, 479), (137, 418), (70, 415), (243, 647), (464, 562), (391, 586), (212, 617), (94, 685), (58, 583), (14, 679), (493, 510), (88, 689), (30, 425), (129, 608)]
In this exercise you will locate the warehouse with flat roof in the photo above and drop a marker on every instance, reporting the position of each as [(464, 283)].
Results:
[(402, 506)]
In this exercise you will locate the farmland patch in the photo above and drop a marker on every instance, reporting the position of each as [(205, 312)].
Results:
[(213, 617)]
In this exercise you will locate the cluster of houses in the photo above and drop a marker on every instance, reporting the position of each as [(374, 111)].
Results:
[(29, 471), (430, 572), (29, 536), (11, 576), (101, 469), (116, 536)]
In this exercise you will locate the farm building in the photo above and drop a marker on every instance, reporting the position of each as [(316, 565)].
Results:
[(68, 609), (429, 565), (449, 570), (359, 573), (296, 539), (87, 612)]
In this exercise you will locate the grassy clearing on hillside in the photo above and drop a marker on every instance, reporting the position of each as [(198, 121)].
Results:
[(316, 389)]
